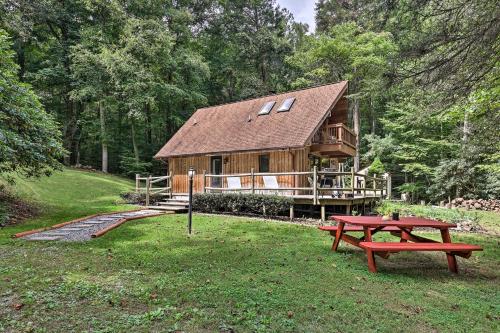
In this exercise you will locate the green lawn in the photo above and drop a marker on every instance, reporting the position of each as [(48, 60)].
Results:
[(236, 274)]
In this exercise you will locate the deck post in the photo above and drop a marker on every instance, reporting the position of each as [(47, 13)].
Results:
[(148, 184), (170, 183), (253, 181), (315, 185), (323, 213), (375, 185), (204, 181), (364, 187), (137, 176), (292, 212), (353, 180)]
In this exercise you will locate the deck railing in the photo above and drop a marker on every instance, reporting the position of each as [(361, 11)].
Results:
[(353, 184), (335, 133), (288, 183), (150, 188)]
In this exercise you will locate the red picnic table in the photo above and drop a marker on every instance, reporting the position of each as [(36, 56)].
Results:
[(403, 229)]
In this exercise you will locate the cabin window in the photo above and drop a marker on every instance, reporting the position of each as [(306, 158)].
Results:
[(287, 104), (264, 163), (266, 108)]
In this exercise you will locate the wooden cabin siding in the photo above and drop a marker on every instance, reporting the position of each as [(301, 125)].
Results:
[(279, 161), (179, 167)]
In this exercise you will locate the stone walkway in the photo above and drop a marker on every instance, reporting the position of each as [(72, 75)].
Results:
[(84, 229)]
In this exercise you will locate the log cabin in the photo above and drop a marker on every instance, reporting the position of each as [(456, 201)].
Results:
[(276, 133), (287, 135)]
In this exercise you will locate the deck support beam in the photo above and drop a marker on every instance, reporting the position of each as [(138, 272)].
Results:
[(292, 212), (323, 213), (315, 185)]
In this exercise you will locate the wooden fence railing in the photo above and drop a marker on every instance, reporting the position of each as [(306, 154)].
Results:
[(352, 184), (150, 188)]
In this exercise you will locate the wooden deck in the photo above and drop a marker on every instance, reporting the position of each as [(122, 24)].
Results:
[(353, 190)]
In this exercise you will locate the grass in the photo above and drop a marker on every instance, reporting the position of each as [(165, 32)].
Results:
[(71, 194), (488, 221), (233, 274)]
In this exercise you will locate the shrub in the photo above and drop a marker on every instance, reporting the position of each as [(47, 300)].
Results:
[(240, 203), (130, 167), (4, 216), (13, 209), (139, 198), (376, 168), (448, 215)]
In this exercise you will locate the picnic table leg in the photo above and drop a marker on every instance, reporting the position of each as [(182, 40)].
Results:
[(372, 265), (404, 236), (452, 261), (368, 234), (338, 236)]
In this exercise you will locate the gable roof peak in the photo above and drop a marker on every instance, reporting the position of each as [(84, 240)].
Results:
[(238, 127)]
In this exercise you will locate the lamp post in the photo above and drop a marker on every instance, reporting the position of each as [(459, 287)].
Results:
[(191, 174)]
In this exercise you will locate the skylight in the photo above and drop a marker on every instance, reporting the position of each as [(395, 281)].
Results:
[(267, 108), (287, 104)]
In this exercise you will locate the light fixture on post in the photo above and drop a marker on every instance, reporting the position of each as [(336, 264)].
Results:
[(191, 174)]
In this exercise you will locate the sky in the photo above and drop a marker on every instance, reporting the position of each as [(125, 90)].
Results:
[(302, 10)]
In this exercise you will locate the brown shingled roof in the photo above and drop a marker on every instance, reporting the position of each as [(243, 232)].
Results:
[(226, 128)]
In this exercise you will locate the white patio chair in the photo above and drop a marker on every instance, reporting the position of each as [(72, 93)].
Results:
[(234, 183), (271, 183)]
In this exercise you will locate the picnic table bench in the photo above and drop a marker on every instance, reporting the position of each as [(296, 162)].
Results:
[(403, 229)]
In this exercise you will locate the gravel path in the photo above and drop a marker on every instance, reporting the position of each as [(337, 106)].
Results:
[(83, 230)]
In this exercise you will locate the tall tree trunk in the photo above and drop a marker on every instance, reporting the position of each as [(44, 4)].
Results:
[(70, 128), (134, 142), (466, 128), (149, 131), (355, 120), (373, 115), (104, 142), (77, 148)]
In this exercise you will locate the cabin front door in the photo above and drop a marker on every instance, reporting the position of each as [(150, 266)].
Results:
[(216, 169)]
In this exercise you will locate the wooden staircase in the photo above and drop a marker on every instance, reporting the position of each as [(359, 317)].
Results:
[(176, 204)]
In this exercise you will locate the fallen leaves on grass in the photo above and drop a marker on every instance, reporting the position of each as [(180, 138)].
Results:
[(18, 306)]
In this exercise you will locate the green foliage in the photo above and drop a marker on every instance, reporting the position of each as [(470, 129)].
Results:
[(423, 77), (130, 166), (30, 142), (233, 273), (376, 168), (3, 214), (346, 52), (241, 203), (443, 214), (139, 198)]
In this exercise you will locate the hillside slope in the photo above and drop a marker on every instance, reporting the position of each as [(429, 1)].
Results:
[(70, 194)]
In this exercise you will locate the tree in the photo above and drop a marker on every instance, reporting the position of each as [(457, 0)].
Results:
[(43, 34), (347, 52), (30, 142), (449, 46), (91, 82), (334, 12), (246, 44)]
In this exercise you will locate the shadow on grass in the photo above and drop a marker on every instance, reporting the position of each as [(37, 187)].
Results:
[(153, 244)]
